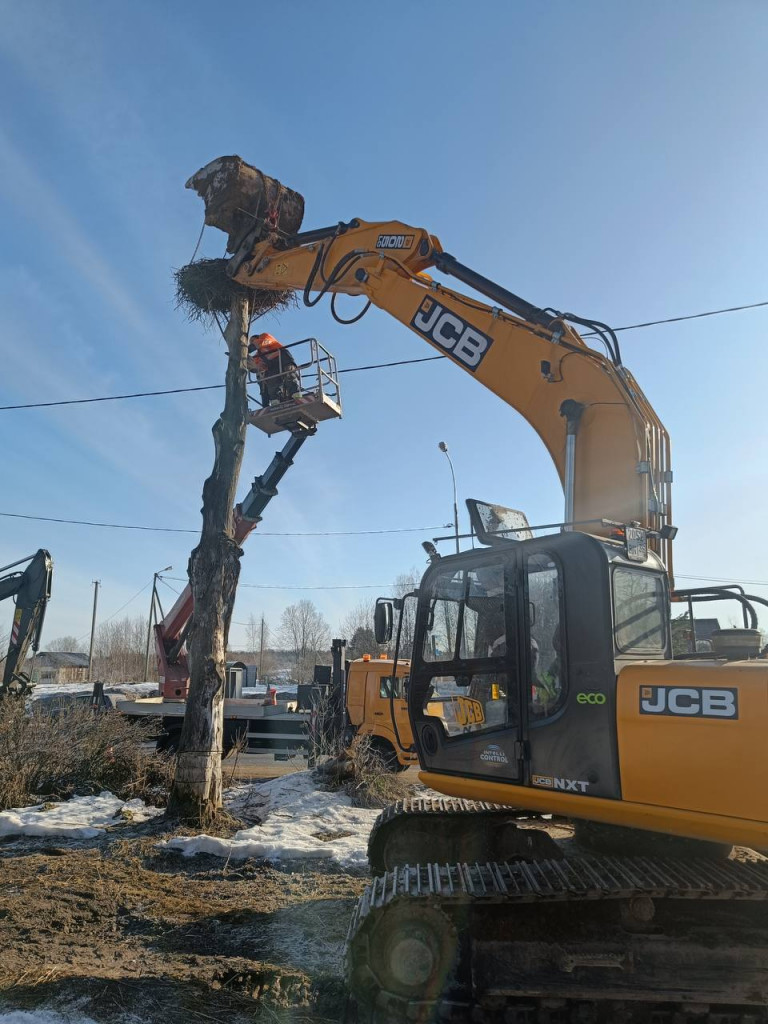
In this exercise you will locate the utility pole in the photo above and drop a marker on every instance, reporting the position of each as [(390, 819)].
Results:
[(96, 584), (151, 618), (261, 651)]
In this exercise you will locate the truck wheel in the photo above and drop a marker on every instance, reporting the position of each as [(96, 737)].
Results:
[(388, 755), (168, 743)]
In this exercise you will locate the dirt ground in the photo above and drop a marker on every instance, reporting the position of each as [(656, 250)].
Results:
[(116, 928)]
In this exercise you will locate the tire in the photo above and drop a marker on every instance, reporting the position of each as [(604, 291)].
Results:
[(168, 743), (387, 753)]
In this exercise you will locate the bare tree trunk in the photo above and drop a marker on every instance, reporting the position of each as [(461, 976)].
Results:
[(214, 568)]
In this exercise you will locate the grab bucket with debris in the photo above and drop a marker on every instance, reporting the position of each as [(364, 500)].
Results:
[(241, 200)]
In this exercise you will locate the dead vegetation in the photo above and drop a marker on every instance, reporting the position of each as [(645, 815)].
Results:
[(204, 290), (45, 755), (361, 770)]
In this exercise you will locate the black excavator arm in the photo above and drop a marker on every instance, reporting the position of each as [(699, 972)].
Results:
[(31, 588)]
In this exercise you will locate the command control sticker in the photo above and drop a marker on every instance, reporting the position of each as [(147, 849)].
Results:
[(493, 754), (690, 701)]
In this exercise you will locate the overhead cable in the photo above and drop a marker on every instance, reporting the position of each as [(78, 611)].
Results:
[(358, 369), (261, 533)]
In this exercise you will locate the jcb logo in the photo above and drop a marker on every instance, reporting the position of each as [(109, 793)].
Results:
[(394, 241), (554, 782), (689, 701), (450, 332), (468, 711)]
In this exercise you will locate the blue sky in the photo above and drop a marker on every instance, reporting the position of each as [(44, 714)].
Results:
[(600, 157)]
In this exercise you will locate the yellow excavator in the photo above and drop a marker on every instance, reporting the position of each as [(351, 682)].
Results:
[(594, 858)]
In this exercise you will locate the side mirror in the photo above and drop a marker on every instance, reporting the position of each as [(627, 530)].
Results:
[(383, 618)]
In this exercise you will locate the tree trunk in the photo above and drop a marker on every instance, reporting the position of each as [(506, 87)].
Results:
[(214, 568)]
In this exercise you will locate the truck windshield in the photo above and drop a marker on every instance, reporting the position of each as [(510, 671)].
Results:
[(465, 616)]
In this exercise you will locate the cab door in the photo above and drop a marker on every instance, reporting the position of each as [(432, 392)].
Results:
[(465, 702)]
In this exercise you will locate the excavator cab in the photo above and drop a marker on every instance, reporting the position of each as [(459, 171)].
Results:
[(310, 392), (523, 642), (542, 677)]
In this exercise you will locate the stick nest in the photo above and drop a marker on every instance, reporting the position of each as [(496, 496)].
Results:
[(203, 289)]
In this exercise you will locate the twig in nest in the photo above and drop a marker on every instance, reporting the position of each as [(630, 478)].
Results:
[(204, 289)]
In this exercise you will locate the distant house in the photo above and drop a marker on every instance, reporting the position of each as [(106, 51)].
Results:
[(705, 628), (61, 667)]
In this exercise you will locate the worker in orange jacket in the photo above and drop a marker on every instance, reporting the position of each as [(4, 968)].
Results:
[(276, 369)]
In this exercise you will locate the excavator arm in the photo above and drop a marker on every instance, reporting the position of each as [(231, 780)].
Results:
[(608, 445), (31, 589)]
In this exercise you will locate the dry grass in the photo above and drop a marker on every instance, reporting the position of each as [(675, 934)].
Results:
[(203, 290), (78, 751), (362, 772)]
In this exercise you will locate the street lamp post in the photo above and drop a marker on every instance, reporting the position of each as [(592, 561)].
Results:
[(151, 616), (444, 449)]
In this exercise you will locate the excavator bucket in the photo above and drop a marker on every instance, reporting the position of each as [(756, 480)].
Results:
[(243, 202)]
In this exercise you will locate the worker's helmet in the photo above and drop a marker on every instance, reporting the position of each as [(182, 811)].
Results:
[(264, 342)]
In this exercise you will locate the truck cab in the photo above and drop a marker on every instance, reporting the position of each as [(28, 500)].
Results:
[(371, 707)]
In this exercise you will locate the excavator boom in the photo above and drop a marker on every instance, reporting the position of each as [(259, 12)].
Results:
[(609, 447)]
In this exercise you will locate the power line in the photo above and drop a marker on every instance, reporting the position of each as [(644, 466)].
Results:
[(380, 586), (121, 608), (723, 579), (358, 369), (111, 398), (291, 586), (261, 533)]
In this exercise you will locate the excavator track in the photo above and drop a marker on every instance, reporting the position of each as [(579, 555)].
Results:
[(582, 939), (417, 830)]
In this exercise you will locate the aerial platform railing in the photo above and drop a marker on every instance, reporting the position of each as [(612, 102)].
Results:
[(315, 391)]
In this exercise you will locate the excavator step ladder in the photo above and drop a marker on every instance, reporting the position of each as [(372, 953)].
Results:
[(318, 396)]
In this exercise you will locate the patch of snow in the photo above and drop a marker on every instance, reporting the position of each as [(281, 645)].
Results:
[(298, 822), (46, 691), (42, 1016), (82, 817)]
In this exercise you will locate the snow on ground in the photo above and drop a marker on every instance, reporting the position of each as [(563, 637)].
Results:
[(79, 689), (298, 822), (42, 1016), (82, 817)]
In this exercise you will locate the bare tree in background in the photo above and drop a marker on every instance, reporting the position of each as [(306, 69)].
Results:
[(359, 617), (357, 629), (70, 644), (119, 650), (252, 634), (304, 632), (404, 584)]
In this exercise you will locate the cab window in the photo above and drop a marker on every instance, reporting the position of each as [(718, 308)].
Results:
[(546, 646), (638, 611), (469, 702), (385, 686), (466, 615)]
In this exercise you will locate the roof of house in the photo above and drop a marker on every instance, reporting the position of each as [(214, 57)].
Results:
[(61, 659), (705, 628)]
